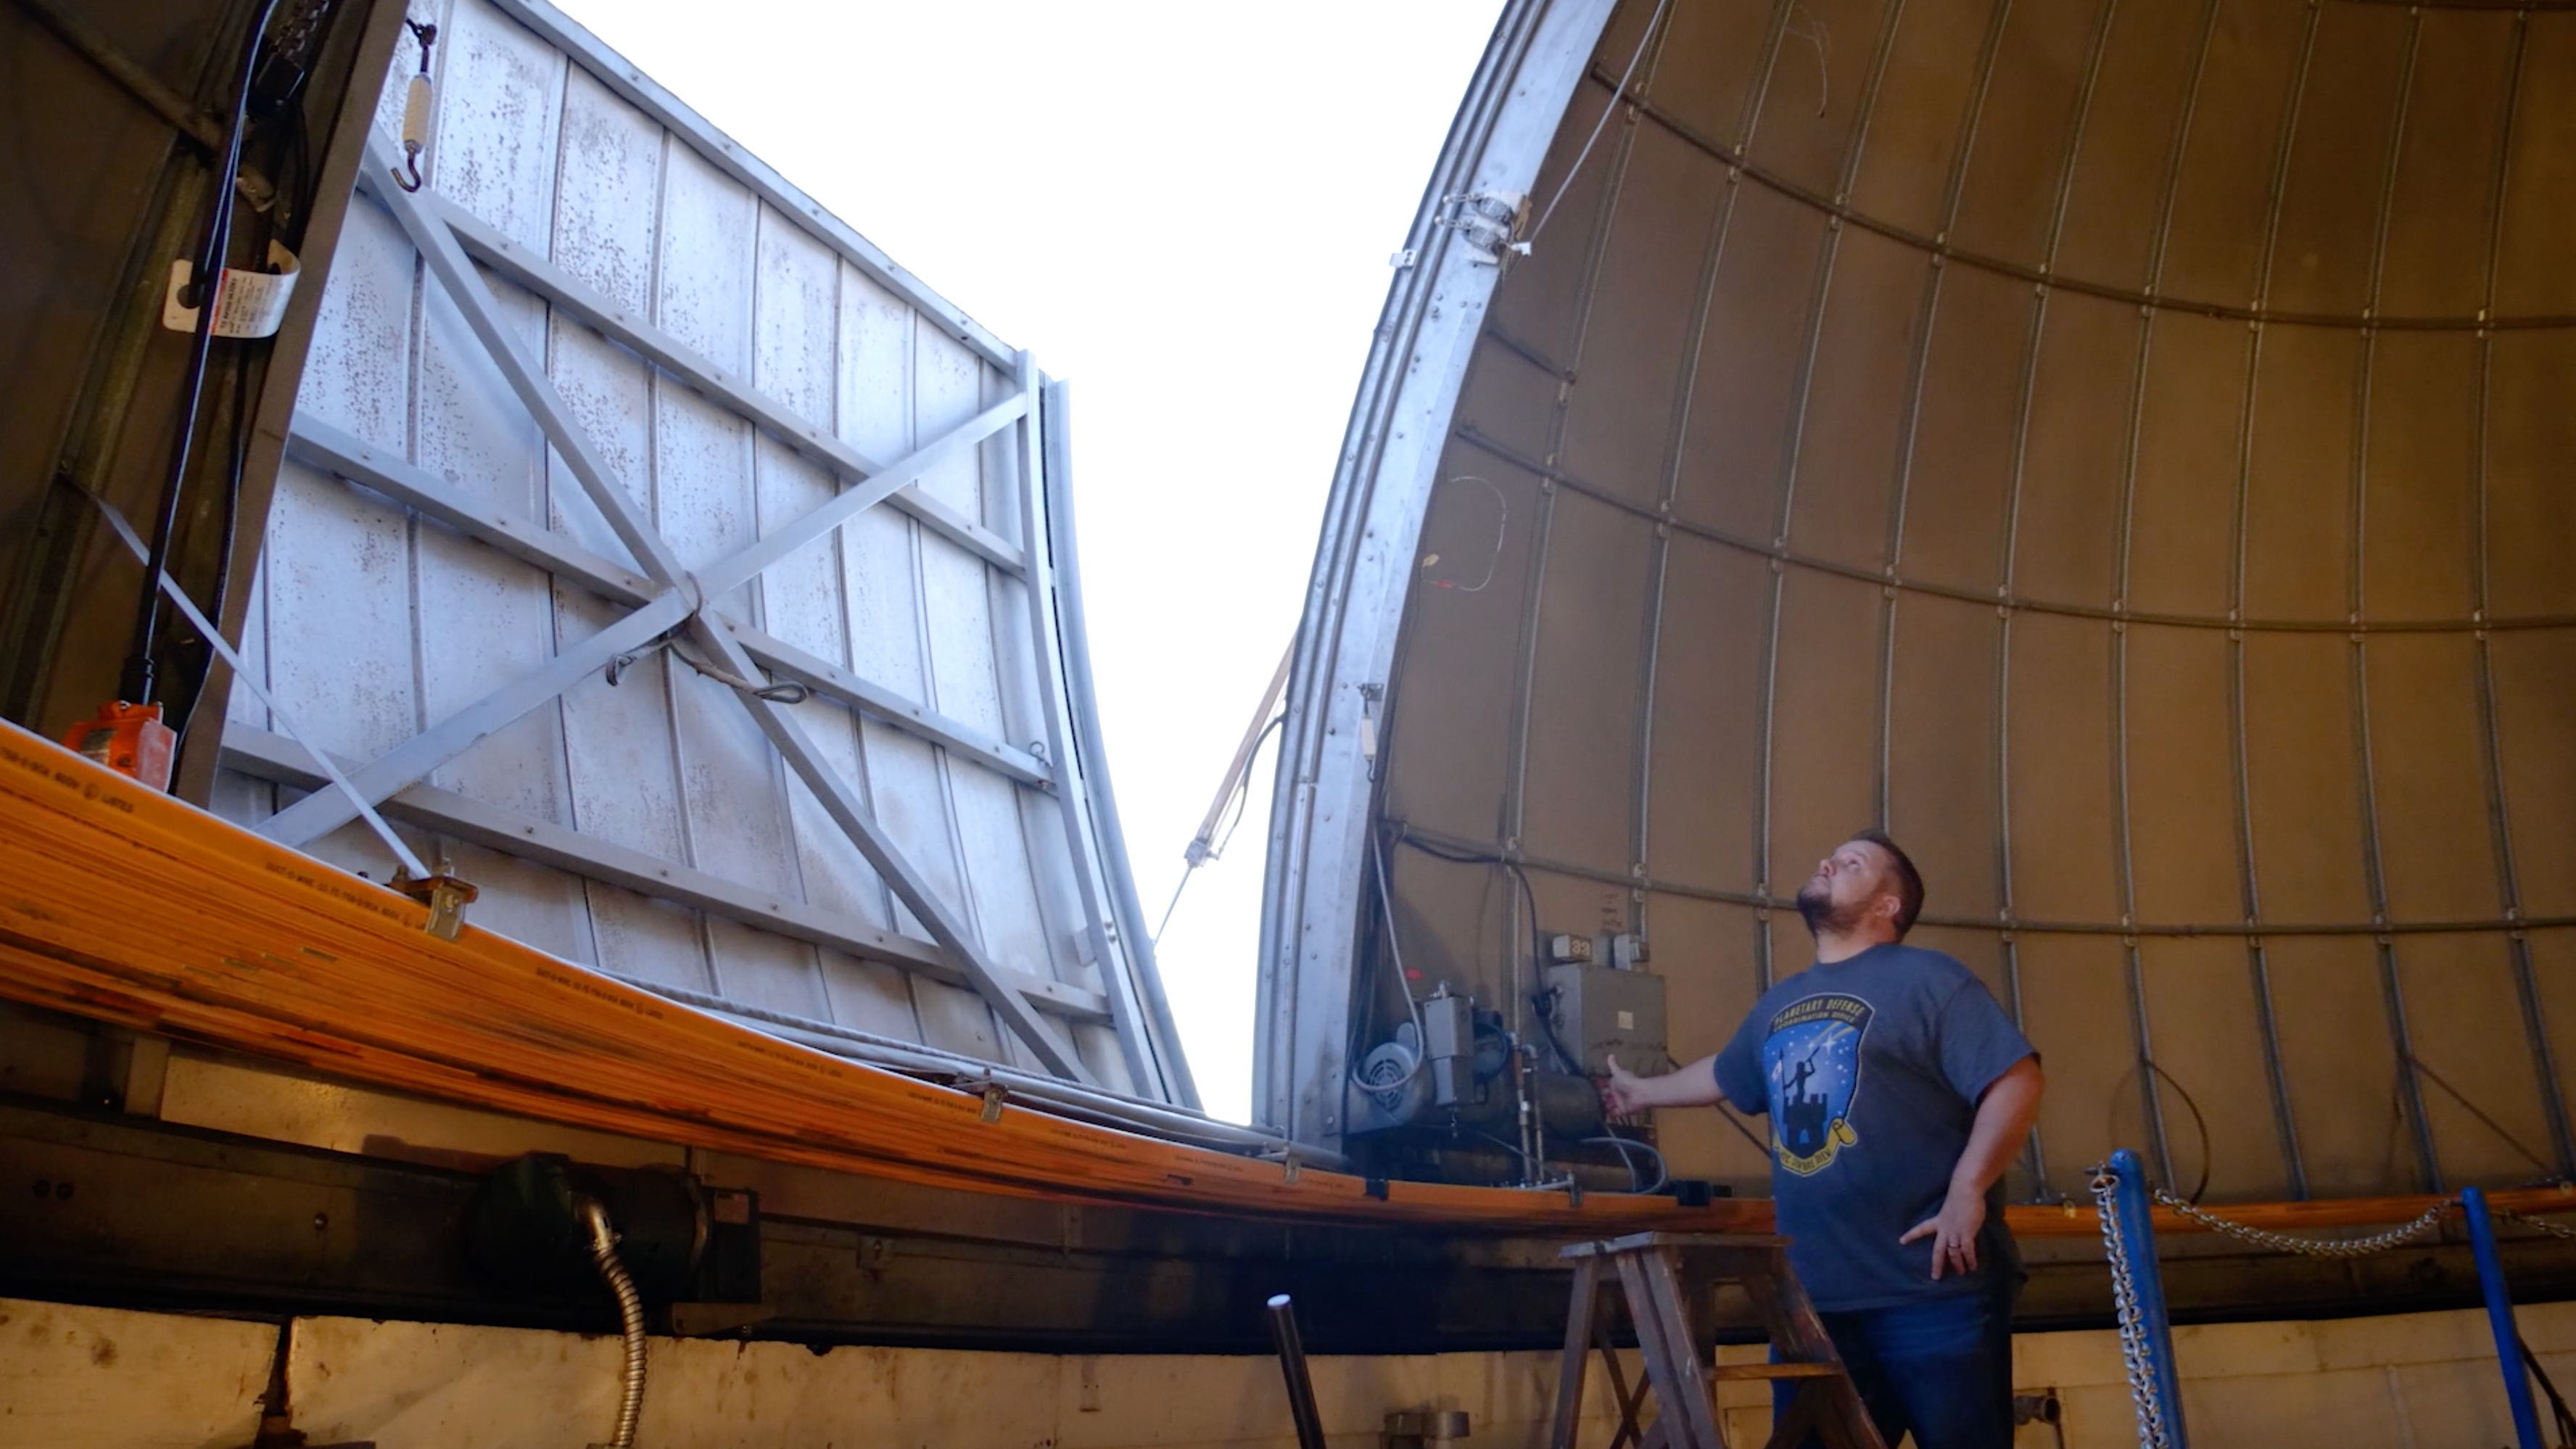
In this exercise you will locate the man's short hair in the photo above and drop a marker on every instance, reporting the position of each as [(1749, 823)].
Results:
[(1909, 881)]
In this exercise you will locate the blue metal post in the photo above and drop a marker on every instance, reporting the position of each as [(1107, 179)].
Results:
[(2508, 1338), (2147, 1282)]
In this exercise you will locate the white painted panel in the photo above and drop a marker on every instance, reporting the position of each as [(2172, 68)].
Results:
[(625, 785), (875, 376), (241, 799), (948, 389), (611, 158), (652, 939), (704, 292), (609, 393), (796, 322), (339, 596), (870, 996), (997, 867), (730, 789), (75, 1377), (881, 570), (801, 593), (499, 112), (702, 482), (959, 613), (955, 1019), (358, 373), (769, 971)]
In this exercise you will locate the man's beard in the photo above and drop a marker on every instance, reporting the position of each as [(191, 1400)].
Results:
[(1815, 903)]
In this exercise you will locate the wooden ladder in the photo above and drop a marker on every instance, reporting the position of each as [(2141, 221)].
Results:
[(1657, 1272)]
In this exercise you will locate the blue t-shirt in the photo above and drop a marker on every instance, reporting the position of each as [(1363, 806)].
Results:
[(1870, 1070)]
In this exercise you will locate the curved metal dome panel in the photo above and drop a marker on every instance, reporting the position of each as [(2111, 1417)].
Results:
[(2119, 448)]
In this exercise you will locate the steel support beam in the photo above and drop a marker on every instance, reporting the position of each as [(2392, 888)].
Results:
[(1126, 1012), (326, 446), (578, 301), (747, 562), (279, 760), (319, 814), (909, 885)]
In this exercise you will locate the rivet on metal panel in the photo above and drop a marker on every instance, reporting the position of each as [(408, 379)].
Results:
[(1663, 530)]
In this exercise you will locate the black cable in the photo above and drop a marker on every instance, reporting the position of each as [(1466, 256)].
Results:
[(2473, 1110), (206, 282), (2199, 1124), (2557, 1406)]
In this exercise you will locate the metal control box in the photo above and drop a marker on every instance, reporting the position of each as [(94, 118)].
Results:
[(1596, 1012)]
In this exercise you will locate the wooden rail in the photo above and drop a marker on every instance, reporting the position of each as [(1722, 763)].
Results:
[(123, 905)]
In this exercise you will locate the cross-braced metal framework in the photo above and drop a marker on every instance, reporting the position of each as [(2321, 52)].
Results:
[(659, 602)]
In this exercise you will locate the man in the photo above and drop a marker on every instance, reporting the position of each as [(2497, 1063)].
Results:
[(1897, 1091)]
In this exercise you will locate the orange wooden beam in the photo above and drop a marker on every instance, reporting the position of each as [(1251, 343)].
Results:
[(121, 904)]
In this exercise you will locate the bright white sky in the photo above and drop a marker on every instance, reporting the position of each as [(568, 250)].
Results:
[(1186, 208)]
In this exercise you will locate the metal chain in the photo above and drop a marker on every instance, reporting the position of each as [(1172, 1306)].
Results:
[(2124, 1297), (2316, 1247), (2555, 1230)]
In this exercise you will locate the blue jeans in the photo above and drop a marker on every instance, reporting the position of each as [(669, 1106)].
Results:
[(1941, 1369)]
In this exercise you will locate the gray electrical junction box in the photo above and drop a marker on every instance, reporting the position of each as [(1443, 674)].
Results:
[(1601, 1011)]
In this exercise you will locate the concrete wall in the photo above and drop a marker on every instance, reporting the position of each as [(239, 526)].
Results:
[(75, 1377)]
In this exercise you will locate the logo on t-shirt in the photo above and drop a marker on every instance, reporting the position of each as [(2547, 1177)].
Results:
[(1812, 1059)]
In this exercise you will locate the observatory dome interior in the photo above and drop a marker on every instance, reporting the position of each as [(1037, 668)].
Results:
[(2118, 449)]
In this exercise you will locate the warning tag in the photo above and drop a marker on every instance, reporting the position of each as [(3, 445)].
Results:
[(247, 304)]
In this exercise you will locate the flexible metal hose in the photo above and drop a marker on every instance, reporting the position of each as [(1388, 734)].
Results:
[(630, 1315)]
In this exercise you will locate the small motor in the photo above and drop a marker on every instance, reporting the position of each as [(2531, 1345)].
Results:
[(129, 739)]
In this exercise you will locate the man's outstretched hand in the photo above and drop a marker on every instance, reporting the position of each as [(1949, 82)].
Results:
[(1623, 1092), (1953, 1232)]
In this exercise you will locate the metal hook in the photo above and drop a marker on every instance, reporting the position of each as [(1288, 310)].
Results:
[(416, 109)]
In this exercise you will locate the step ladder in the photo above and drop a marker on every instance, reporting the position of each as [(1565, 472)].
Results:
[(1660, 1274)]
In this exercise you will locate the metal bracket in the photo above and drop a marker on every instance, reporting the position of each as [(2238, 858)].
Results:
[(446, 896), (1490, 221)]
